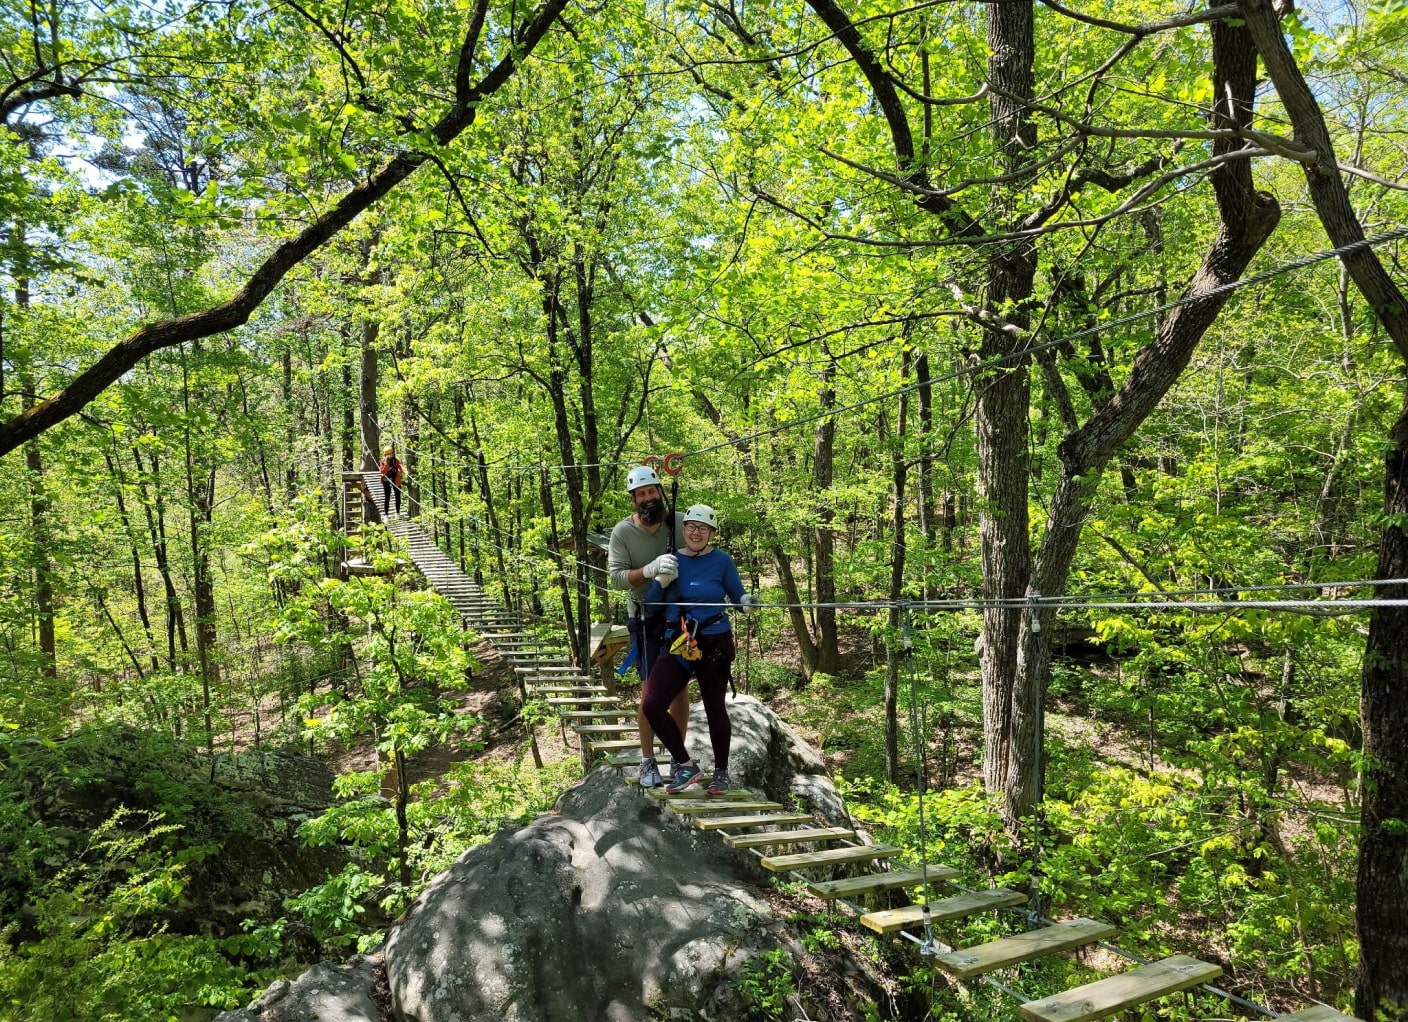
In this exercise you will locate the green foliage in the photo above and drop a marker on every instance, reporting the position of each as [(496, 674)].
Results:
[(333, 908), (102, 953), (767, 986), (466, 807)]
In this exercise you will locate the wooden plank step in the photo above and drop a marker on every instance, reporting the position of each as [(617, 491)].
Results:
[(566, 668), (998, 954), (828, 857), (947, 908), (614, 746), (604, 729), (570, 715), (696, 793), (1116, 993), (703, 806), (871, 883), (750, 820), (788, 837), (625, 759), (585, 691), (1319, 1013), (579, 700)]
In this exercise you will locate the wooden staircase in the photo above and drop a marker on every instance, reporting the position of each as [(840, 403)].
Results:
[(747, 821)]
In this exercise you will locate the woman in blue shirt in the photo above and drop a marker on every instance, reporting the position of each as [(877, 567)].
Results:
[(696, 602)]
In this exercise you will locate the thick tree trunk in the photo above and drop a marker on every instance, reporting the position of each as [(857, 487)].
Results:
[(1247, 220), (1383, 846), (1383, 841), (1004, 400)]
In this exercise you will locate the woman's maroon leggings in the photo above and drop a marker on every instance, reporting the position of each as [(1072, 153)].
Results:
[(668, 678)]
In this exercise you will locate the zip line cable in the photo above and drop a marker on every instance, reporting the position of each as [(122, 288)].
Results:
[(1119, 600), (876, 606)]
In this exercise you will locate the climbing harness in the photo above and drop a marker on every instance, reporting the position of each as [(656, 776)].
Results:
[(686, 645)]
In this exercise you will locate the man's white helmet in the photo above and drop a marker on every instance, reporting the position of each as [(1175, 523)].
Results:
[(702, 513), (642, 476)]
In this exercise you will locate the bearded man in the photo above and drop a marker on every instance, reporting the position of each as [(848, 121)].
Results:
[(639, 553)]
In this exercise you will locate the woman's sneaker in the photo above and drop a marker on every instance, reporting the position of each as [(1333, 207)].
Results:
[(719, 785), (649, 776), (686, 774)]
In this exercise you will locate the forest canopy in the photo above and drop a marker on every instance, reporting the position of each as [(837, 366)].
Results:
[(980, 325)]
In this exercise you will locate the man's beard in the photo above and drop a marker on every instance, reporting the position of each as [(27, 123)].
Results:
[(652, 512)]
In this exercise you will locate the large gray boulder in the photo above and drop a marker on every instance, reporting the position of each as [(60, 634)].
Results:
[(608, 908), (325, 993)]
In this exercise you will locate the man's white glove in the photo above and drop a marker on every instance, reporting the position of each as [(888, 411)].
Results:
[(750, 602), (665, 564)]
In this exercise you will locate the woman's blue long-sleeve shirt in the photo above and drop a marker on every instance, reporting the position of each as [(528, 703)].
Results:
[(706, 581)]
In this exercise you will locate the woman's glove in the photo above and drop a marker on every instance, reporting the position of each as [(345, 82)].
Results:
[(750, 602)]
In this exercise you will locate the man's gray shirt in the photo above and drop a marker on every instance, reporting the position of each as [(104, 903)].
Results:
[(633, 547)]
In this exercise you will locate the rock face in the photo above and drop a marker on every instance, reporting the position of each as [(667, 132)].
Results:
[(608, 908), (330, 993)]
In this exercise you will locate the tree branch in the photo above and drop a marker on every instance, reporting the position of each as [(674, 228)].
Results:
[(234, 312)]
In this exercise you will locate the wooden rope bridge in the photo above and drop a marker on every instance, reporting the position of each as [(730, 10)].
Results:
[(744, 820)]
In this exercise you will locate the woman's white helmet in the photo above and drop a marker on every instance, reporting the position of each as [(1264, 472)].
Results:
[(702, 513), (642, 476)]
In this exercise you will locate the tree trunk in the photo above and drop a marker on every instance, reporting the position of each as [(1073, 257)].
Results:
[(927, 523), (200, 495), (897, 559), (366, 396), (782, 561), (40, 539), (1382, 990), (828, 652), (350, 458), (1247, 220), (1004, 396), (1382, 903), (138, 583), (155, 510)]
